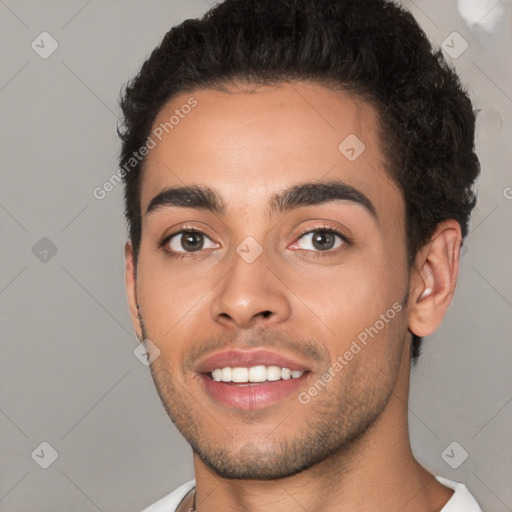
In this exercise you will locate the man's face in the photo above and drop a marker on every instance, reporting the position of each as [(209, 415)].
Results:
[(260, 281)]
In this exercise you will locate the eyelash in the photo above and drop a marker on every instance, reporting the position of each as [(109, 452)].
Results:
[(184, 229), (347, 241)]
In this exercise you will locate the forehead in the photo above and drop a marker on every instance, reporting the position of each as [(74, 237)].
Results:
[(248, 144)]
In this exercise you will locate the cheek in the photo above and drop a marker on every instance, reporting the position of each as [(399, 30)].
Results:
[(352, 294), (358, 301), (170, 299)]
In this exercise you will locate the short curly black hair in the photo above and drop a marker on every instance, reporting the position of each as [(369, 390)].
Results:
[(370, 48)]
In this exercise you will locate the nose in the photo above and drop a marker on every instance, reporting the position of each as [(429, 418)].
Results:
[(250, 295)]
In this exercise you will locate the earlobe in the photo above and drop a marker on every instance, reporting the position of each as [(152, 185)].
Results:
[(434, 278)]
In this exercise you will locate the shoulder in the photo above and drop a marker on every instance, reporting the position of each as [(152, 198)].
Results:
[(461, 500), (171, 501)]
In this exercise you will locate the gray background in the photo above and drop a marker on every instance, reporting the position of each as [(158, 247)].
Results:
[(68, 374)]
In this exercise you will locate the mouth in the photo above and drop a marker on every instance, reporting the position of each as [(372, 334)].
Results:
[(254, 374), (251, 380)]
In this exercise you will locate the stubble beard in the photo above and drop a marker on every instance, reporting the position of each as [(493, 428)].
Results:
[(331, 426)]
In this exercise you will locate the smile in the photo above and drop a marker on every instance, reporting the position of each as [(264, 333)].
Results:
[(251, 379), (258, 373)]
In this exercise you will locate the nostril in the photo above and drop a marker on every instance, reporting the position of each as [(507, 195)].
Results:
[(265, 314)]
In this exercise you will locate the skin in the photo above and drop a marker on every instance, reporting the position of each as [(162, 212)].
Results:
[(348, 448)]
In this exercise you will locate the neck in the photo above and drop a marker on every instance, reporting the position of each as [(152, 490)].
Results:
[(375, 472)]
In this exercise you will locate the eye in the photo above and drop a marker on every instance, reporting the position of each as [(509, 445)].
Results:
[(320, 240), (189, 241)]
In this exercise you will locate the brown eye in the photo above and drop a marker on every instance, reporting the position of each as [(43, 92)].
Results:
[(192, 241), (323, 240), (189, 241), (320, 240)]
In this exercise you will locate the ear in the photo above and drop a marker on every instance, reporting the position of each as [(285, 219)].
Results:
[(131, 288), (433, 278)]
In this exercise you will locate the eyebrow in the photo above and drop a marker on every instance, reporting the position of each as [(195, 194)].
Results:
[(194, 196), (306, 194)]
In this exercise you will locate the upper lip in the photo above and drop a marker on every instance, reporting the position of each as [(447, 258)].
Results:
[(246, 359)]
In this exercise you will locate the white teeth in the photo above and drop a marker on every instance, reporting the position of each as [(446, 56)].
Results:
[(286, 373), (226, 374), (258, 373), (239, 374), (273, 373)]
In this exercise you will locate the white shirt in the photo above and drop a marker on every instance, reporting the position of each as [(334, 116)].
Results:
[(461, 500)]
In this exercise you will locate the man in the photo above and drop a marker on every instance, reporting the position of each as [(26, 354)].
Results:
[(298, 183)]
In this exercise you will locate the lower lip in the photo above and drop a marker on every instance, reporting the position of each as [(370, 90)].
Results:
[(249, 395)]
